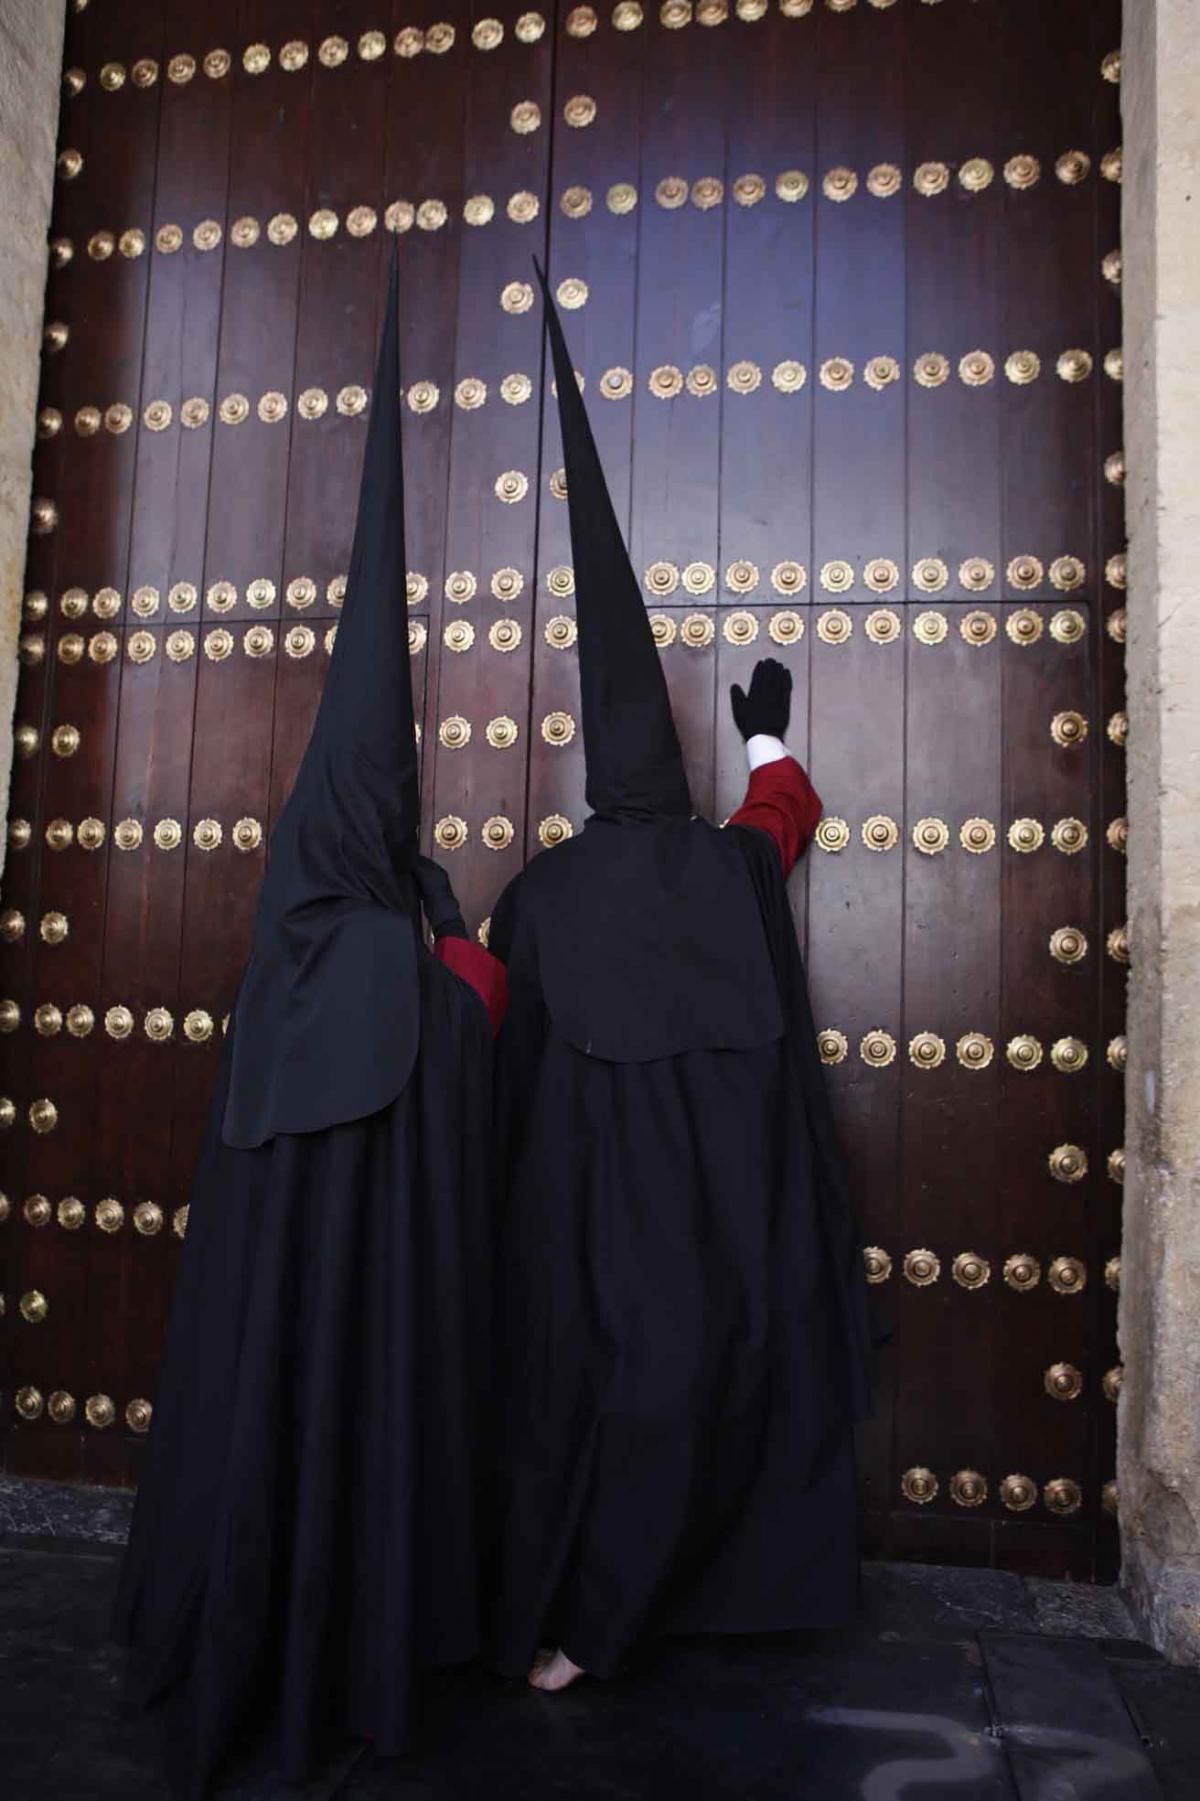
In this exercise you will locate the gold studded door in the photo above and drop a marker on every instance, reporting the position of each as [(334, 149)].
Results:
[(841, 278)]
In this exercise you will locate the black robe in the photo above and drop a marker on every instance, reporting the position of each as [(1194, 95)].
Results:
[(683, 1335), (308, 1524)]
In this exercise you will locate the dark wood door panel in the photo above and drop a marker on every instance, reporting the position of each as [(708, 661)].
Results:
[(842, 286)]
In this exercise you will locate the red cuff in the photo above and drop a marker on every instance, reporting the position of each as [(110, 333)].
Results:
[(486, 974), (781, 801)]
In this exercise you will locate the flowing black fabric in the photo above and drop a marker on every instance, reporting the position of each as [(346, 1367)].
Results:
[(307, 1528), (862, 1328), (327, 1014), (682, 1322)]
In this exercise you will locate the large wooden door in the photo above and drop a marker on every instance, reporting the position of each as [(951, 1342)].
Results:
[(842, 282)]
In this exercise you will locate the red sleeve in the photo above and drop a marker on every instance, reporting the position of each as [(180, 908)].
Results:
[(782, 802), (486, 974)]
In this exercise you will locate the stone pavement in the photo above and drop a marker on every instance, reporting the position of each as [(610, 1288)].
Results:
[(958, 1685)]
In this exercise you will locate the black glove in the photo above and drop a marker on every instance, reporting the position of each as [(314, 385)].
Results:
[(768, 706), (437, 899)]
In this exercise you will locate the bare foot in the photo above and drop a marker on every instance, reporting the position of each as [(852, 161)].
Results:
[(553, 1671)]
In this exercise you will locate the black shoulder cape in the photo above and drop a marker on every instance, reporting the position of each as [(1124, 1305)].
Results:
[(650, 941)]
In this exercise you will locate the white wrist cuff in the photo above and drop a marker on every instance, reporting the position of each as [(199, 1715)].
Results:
[(762, 748)]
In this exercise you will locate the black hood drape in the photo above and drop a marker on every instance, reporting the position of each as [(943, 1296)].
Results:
[(326, 1021), (634, 763)]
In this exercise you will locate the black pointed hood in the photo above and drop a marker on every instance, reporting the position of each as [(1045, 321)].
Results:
[(366, 707), (634, 763), (325, 1027)]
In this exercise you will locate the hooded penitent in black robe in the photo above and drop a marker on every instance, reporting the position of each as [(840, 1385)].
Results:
[(307, 1525), (684, 1344)]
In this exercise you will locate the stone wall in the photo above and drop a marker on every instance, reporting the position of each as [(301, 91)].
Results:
[(31, 45), (1159, 1452)]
